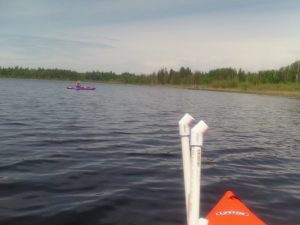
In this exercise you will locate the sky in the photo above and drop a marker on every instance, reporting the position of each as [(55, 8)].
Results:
[(143, 36)]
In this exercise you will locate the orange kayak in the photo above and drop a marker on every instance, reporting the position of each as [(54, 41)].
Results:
[(231, 211)]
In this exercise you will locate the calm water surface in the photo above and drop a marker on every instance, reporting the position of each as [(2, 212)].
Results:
[(112, 156)]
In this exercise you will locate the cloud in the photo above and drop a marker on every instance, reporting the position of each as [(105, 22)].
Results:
[(143, 36), (52, 14), (32, 50)]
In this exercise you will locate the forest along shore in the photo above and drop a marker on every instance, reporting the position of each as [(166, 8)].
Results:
[(282, 82), (292, 94)]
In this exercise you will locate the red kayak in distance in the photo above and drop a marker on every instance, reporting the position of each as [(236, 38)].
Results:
[(230, 210)]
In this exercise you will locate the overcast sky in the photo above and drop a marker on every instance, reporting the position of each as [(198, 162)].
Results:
[(143, 36)]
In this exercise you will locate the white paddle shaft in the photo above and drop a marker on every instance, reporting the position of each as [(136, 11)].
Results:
[(194, 200), (184, 131), (197, 133)]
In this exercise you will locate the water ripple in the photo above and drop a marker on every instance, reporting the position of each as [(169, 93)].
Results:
[(113, 156)]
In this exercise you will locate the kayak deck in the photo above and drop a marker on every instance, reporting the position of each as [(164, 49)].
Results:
[(230, 210)]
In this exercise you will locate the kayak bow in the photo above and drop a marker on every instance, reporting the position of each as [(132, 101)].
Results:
[(230, 210)]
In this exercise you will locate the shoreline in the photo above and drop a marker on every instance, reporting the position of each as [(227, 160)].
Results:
[(267, 92), (279, 93)]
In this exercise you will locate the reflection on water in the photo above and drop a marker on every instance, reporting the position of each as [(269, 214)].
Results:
[(112, 156)]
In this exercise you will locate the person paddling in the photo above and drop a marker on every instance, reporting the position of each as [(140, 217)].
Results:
[(78, 84)]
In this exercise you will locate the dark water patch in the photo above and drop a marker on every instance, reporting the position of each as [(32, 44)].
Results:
[(156, 155)]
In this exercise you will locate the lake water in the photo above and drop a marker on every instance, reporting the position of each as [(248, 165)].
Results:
[(112, 156)]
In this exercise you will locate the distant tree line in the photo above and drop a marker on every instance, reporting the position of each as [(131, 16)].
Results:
[(217, 78)]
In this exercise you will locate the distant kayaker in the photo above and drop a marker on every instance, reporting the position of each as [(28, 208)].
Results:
[(78, 83)]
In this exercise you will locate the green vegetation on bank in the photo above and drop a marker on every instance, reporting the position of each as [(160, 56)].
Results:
[(285, 80)]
